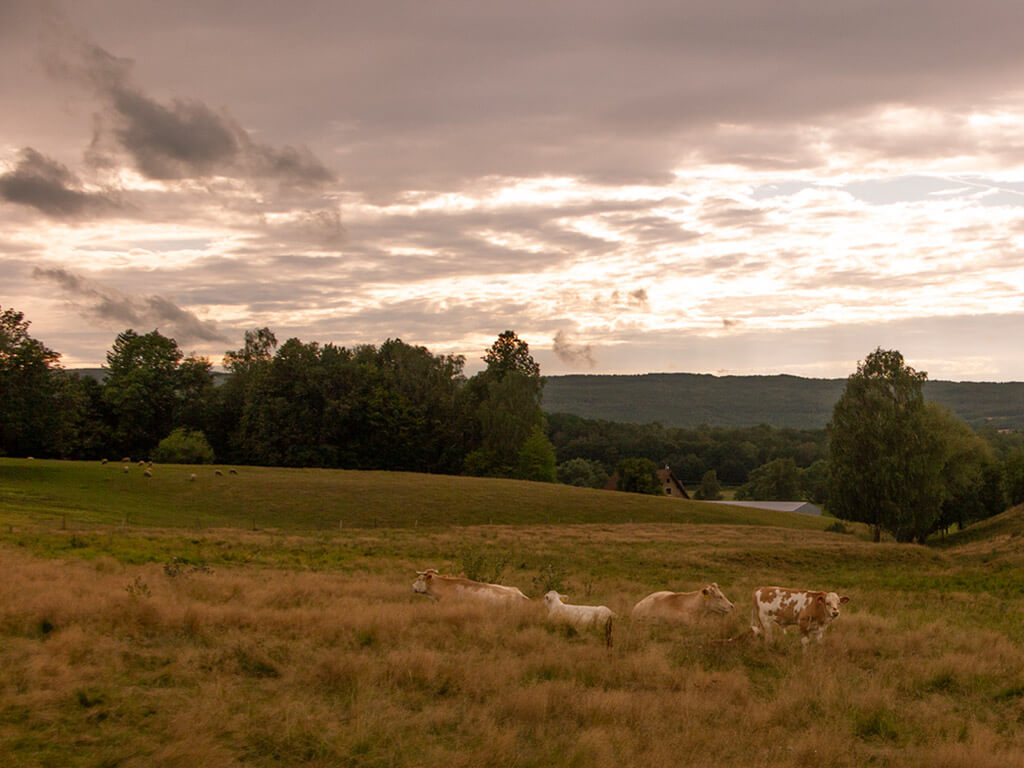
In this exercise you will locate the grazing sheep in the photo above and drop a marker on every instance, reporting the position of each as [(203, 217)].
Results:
[(192, 477), (232, 471), (142, 463), (147, 472), (126, 459), (103, 461), (218, 473), (125, 469)]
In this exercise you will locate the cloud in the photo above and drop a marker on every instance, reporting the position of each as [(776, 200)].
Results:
[(49, 186), (180, 139), (572, 354), (107, 304)]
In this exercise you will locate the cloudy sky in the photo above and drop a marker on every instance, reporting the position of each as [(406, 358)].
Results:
[(724, 187)]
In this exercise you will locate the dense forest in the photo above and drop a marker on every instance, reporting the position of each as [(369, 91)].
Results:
[(399, 407), (690, 400)]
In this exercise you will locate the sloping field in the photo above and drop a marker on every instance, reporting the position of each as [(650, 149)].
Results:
[(80, 494), (182, 645)]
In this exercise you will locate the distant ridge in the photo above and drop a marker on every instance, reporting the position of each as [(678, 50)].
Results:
[(692, 399)]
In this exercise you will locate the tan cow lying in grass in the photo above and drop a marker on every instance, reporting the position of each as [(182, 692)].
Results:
[(580, 615), (683, 606), (438, 587), (810, 611)]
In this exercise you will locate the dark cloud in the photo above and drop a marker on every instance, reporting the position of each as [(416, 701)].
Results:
[(107, 304), (49, 186), (571, 353), (180, 139)]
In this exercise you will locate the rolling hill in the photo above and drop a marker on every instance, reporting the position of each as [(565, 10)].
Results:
[(689, 399)]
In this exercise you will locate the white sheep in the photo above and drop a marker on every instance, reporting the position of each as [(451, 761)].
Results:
[(580, 615)]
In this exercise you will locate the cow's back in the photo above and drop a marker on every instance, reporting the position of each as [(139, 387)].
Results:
[(672, 606)]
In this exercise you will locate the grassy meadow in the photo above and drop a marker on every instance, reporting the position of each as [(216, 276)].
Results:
[(193, 636)]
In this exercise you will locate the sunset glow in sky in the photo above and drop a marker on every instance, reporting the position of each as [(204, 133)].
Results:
[(731, 187)]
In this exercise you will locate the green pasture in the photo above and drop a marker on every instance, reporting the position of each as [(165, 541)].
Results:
[(86, 494)]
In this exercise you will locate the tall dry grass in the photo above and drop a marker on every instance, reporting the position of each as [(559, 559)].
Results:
[(102, 664)]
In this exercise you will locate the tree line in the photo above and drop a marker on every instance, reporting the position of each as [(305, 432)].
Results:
[(300, 404), (904, 466)]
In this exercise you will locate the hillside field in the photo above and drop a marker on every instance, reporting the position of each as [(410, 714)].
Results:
[(144, 622)]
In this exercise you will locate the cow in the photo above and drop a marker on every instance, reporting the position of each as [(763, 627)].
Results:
[(438, 587), (687, 607), (810, 611), (580, 615)]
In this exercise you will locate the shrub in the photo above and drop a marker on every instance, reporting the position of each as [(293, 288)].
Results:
[(183, 446)]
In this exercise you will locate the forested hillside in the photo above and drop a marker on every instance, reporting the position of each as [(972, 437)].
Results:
[(689, 400)]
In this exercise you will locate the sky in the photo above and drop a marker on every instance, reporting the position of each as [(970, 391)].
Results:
[(732, 187)]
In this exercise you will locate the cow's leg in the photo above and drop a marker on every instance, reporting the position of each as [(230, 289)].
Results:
[(755, 622)]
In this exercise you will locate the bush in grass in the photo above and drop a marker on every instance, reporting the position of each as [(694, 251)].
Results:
[(183, 446)]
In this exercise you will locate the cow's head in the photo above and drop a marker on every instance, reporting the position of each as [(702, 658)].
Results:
[(714, 600), (831, 603), (553, 598), (423, 578)]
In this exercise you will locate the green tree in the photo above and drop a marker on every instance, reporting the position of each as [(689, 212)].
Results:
[(778, 480), (231, 402), (85, 419), (639, 475), (28, 389), (184, 446), (144, 388), (511, 355), (886, 450), (710, 489), (814, 482), (582, 473), (537, 458), (504, 404), (1013, 477), (966, 471)]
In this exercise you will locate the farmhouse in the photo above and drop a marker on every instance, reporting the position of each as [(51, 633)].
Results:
[(804, 507), (670, 484)]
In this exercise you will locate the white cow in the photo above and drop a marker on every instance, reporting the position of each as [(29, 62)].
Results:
[(580, 615), (684, 607), (437, 587), (810, 611)]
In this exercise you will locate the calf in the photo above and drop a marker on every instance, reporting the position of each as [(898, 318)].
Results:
[(437, 587), (683, 606), (810, 611), (580, 615)]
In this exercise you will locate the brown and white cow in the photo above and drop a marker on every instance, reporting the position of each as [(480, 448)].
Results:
[(438, 587), (683, 606), (810, 611)]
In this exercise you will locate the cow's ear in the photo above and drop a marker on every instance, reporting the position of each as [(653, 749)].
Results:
[(844, 599), (821, 599), (704, 591)]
